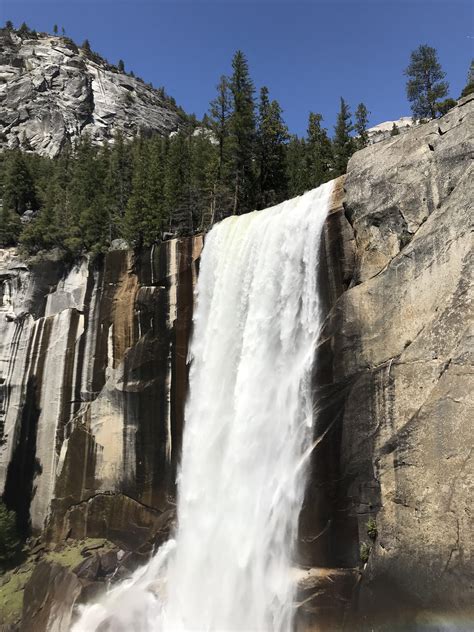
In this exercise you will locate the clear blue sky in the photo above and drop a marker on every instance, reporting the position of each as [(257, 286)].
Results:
[(307, 53)]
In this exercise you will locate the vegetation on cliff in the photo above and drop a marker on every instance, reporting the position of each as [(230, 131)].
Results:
[(9, 540), (426, 85), (240, 157), (469, 87)]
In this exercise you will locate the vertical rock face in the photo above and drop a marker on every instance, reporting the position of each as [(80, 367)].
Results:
[(93, 375), (396, 353)]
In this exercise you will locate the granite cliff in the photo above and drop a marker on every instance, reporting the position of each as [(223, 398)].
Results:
[(397, 351), (93, 379), (51, 92)]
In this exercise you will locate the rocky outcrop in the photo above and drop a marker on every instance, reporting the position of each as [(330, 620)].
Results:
[(49, 596), (93, 374), (51, 92), (384, 130)]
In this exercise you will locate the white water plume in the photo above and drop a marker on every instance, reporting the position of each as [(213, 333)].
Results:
[(249, 422)]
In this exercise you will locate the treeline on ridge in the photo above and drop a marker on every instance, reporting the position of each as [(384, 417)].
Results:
[(241, 157)]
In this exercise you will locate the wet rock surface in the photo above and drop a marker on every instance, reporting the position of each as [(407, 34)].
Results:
[(93, 377), (49, 598)]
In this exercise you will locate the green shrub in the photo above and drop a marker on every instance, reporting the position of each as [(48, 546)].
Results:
[(443, 107), (469, 89), (394, 131), (371, 528), (9, 540), (365, 549)]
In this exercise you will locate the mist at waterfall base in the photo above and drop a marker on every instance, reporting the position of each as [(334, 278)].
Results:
[(248, 431)]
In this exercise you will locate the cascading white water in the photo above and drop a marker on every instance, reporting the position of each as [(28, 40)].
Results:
[(248, 429)]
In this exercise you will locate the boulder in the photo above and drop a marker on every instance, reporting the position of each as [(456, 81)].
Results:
[(49, 598)]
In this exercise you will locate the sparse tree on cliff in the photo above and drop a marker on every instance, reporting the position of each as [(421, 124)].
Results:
[(24, 30), (242, 126), (425, 85), (318, 152), (443, 107), (343, 143), (360, 125), (121, 65), (86, 47), (9, 25), (469, 88), (394, 131), (55, 29), (272, 136)]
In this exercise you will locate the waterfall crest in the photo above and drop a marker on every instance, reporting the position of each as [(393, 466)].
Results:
[(249, 418)]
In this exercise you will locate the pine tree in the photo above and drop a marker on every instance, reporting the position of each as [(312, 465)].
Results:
[(220, 114), (204, 177), (42, 232), (146, 215), (443, 107), (296, 166), (89, 218), (24, 30), (177, 193), (19, 193), (394, 131), (158, 215), (360, 125), (10, 227), (121, 65), (86, 47), (118, 183), (55, 29), (9, 25), (220, 111), (52, 225), (343, 144), (318, 152), (242, 125), (63, 218), (425, 85), (272, 136), (134, 226), (469, 88)]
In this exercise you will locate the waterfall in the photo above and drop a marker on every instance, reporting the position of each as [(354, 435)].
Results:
[(249, 421)]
